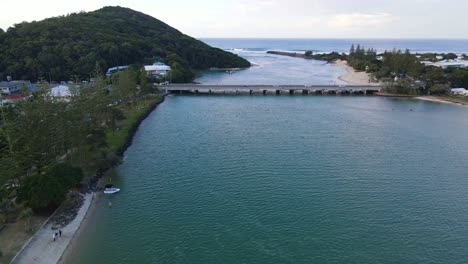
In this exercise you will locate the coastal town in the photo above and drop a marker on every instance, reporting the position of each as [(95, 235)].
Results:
[(114, 123)]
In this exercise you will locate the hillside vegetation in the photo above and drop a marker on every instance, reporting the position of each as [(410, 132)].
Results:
[(68, 47)]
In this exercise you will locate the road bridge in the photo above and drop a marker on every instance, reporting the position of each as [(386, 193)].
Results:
[(269, 89)]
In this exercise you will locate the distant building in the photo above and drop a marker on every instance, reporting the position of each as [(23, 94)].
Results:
[(451, 64), (158, 69), (115, 69), (14, 98), (60, 91), (427, 63), (12, 87), (447, 64), (459, 91)]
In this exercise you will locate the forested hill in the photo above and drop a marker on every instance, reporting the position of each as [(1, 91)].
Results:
[(69, 46)]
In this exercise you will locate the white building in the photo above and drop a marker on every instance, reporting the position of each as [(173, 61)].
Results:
[(459, 91), (60, 91), (158, 69), (447, 64)]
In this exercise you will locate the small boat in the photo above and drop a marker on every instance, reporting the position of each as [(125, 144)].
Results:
[(110, 189)]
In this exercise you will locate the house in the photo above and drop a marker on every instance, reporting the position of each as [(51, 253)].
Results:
[(158, 69), (12, 87), (459, 91), (60, 91), (451, 64), (14, 98)]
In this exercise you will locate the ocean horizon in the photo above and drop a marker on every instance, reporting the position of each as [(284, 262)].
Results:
[(326, 45)]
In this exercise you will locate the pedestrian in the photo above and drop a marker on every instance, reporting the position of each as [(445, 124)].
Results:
[(60, 233), (110, 204), (53, 236)]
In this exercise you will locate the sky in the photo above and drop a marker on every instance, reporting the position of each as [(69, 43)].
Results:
[(276, 18)]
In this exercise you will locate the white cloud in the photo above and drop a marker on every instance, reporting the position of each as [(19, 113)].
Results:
[(355, 20)]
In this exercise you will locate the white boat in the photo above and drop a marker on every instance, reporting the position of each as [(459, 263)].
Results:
[(110, 189)]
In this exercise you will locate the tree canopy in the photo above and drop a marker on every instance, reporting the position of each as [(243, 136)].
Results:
[(66, 46)]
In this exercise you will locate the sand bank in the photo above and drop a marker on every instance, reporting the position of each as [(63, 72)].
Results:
[(352, 76)]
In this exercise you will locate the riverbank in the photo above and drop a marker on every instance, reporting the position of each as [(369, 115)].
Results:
[(39, 248)]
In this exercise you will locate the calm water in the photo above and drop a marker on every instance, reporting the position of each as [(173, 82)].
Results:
[(289, 179), (273, 69)]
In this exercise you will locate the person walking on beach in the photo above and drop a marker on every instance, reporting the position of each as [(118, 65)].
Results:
[(53, 236), (60, 233)]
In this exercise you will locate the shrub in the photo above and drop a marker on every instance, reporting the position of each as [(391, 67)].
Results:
[(48, 189)]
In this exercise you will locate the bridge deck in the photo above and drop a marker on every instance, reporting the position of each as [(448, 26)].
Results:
[(201, 87)]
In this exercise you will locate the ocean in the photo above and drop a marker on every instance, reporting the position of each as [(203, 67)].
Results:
[(458, 46)]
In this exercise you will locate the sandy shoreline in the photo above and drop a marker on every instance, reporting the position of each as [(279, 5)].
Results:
[(352, 76), (42, 248), (439, 100)]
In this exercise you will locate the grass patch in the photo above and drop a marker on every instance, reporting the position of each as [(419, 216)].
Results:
[(14, 235)]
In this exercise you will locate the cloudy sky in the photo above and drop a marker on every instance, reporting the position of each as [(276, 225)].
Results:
[(277, 18)]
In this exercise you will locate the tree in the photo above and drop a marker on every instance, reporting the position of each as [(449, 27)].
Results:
[(66, 46), (459, 78), (41, 191), (48, 188), (439, 89), (68, 176), (24, 89)]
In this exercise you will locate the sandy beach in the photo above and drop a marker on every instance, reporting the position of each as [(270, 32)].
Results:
[(352, 76), (440, 100), (41, 249)]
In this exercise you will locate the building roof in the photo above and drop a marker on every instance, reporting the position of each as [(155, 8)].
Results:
[(11, 84), (157, 68), (458, 90), (60, 91), (31, 87), (116, 68), (14, 96)]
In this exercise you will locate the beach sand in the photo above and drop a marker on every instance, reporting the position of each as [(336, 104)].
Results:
[(41, 249), (352, 76), (439, 100)]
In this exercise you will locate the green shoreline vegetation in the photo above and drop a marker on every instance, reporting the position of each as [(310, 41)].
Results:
[(402, 72), (50, 145)]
